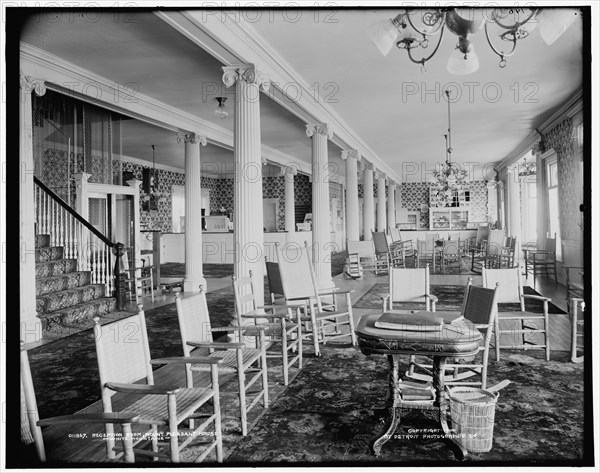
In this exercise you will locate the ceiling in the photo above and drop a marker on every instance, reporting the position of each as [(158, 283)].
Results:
[(393, 107)]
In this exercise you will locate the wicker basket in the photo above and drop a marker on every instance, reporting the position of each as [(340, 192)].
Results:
[(472, 413)]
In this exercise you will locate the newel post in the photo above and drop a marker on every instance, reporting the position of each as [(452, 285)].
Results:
[(119, 277)]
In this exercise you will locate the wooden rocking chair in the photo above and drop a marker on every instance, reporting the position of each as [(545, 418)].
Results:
[(279, 325), (480, 307), (299, 284), (197, 339)]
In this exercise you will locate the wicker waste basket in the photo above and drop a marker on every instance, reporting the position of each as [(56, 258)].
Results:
[(472, 413)]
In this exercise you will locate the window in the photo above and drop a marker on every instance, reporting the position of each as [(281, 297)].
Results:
[(553, 206)]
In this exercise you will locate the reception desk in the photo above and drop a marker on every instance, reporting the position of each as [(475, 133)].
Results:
[(440, 234), (217, 247)]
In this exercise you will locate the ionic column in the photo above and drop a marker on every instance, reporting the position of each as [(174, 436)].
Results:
[(290, 203), (368, 203), (514, 206), (391, 205), (248, 222), (352, 215), (31, 329), (319, 132), (194, 276), (381, 212)]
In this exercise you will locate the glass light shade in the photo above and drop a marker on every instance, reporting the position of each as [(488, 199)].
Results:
[(221, 111), (457, 64), (384, 35), (554, 22)]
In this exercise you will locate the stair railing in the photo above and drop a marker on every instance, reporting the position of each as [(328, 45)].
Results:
[(81, 241)]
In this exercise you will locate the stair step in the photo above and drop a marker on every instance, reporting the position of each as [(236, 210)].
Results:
[(41, 241), (49, 253), (62, 282), (78, 315), (70, 297), (55, 268)]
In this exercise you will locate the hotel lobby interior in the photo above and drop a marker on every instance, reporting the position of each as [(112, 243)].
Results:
[(369, 228)]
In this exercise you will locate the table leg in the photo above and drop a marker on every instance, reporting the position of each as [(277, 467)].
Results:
[(393, 419), (460, 452)]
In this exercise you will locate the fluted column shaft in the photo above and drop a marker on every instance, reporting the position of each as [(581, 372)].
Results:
[(352, 215), (290, 203), (391, 202), (320, 204), (368, 204), (381, 212), (247, 196), (30, 326), (194, 276)]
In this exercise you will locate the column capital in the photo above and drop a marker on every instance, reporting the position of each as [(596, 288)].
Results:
[(319, 128), (264, 161), (378, 174), (246, 73), (288, 170), (350, 153), (192, 138), (29, 84)]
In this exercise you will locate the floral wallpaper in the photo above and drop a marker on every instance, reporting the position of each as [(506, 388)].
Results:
[(569, 192)]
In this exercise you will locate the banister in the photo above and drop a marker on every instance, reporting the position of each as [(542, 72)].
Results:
[(82, 220), (119, 290)]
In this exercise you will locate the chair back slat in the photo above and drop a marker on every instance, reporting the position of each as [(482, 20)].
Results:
[(245, 301), (194, 322), (510, 288), (409, 284), (274, 279), (380, 242), (426, 245), (551, 244), (482, 233), (364, 249), (295, 270), (395, 234), (480, 306), (122, 350)]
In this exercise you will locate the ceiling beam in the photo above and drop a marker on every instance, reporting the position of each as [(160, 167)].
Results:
[(235, 41), (80, 83)]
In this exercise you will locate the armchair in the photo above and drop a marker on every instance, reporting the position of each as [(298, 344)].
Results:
[(277, 320), (524, 327), (196, 338), (299, 284)]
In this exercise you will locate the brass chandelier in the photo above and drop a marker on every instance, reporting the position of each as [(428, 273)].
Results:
[(450, 178), (412, 28)]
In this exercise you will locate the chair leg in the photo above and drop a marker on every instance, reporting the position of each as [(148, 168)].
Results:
[(242, 393), (173, 431), (547, 336), (284, 353), (497, 337)]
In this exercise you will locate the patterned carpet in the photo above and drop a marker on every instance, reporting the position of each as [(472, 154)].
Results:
[(332, 410), (449, 298), (174, 270), (333, 407)]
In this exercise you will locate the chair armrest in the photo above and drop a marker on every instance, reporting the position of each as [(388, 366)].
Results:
[(142, 388), (280, 306), (385, 298), (537, 298), (333, 293), (431, 297), (264, 316), (566, 266), (100, 418), (208, 360), (230, 328), (226, 345)]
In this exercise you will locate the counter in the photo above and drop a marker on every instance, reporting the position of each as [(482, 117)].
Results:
[(217, 247)]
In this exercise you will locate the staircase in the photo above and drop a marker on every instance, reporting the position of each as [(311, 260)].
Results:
[(65, 297)]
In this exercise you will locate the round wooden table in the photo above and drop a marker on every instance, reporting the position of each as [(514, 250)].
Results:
[(458, 341)]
